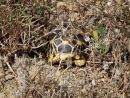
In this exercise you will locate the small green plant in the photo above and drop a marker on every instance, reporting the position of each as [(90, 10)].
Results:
[(97, 34), (104, 48), (102, 31)]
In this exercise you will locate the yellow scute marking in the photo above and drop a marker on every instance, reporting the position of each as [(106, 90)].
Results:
[(52, 42), (79, 62), (50, 58), (79, 42), (53, 58), (77, 57), (65, 42), (64, 56), (56, 58)]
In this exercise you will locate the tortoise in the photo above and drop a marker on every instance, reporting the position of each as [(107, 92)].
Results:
[(66, 45)]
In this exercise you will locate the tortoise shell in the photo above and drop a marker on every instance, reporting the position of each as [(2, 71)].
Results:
[(66, 45)]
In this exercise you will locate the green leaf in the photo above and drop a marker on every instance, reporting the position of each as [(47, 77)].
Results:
[(104, 48), (95, 36), (102, 31)]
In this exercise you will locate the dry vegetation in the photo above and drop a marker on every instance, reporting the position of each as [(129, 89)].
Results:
[(24, 72)]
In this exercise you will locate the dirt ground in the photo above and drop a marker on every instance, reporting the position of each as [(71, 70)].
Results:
[(24, 70)]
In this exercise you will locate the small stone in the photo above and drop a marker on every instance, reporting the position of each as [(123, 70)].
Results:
[(93, 82), (105, 66), (61, 4), (8, 77), (109, 2), (117, 30)]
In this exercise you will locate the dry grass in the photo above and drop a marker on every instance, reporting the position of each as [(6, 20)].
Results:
[(24, 72)]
